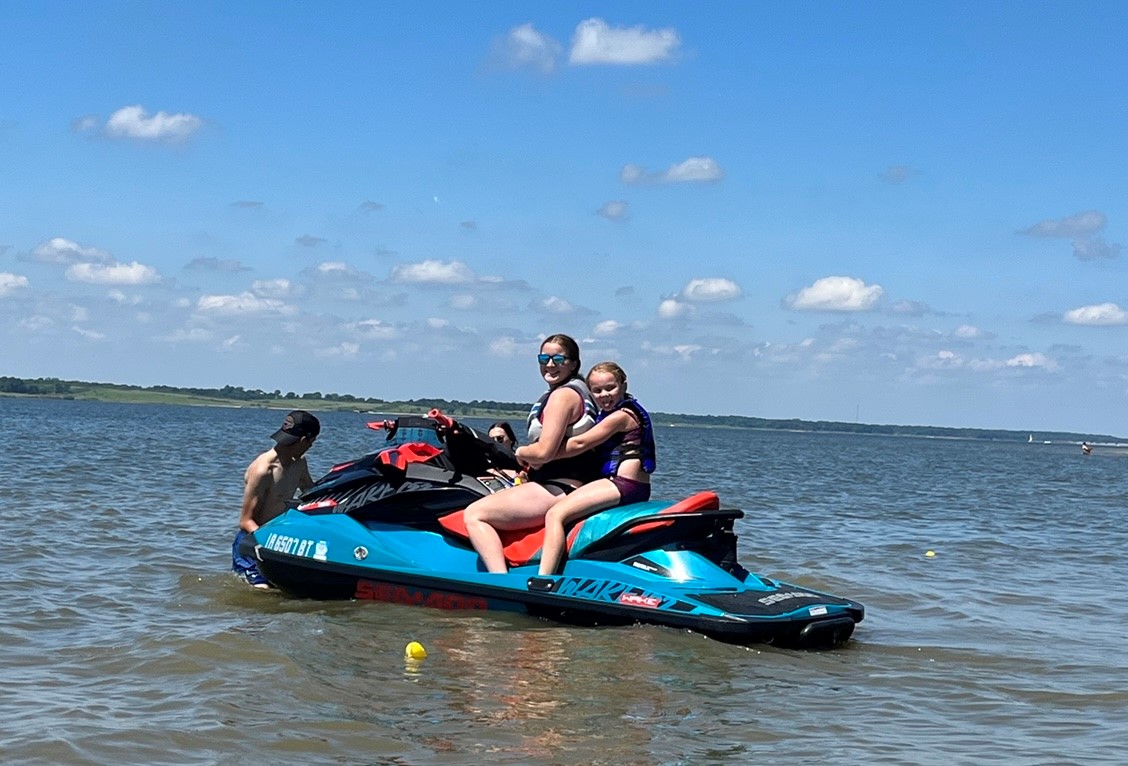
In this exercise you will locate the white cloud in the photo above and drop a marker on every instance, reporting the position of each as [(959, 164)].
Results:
[(984, 365), (191, 335), (36, 323), (910, 308), (433, 272), (1079, 225), (333, 267), (607, 327), (60, 250), (674, 309), (692, 170), (942, 360), (949, 360), (117, 296), (683, 351), (615, 210), (344, 350), (1094, 249), (230, 344), (554, 305), (134, 122), (88, 334), (695, 169), (375, 329), (272, 288), (463, 302), (632, 174), (835, 294), (242, 304), (113, 274), (1099, 314), (437, 323), (9, 283), (968, 331), (594, 42), (710, 290), (85, 124), (526, 48), (506, 347), (1031, 360)]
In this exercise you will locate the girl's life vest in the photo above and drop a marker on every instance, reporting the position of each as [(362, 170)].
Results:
[(626, 445)]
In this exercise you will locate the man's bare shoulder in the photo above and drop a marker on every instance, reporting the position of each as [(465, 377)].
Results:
[(262, 467)]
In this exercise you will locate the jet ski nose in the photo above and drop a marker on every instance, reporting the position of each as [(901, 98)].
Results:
[(826, 633)]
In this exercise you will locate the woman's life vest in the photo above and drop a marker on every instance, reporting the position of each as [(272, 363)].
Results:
[(627, 445), (583, 467)]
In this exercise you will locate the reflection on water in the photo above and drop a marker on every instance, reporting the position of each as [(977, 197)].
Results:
[(126, 641)]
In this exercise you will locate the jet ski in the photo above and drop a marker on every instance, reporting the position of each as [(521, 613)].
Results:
[(388, 527)]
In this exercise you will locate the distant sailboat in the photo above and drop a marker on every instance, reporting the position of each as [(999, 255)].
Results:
[(1031, 439)]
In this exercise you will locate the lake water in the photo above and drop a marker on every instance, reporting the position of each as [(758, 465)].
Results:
[(124, 639)]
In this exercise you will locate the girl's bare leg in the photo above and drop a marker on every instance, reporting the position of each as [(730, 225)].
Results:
[(591, 497)]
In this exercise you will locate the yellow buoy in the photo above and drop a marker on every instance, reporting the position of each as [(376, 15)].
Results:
[(415, 651), (929, 554)]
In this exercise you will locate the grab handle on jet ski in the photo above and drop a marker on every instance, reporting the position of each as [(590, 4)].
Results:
[(438, 416)]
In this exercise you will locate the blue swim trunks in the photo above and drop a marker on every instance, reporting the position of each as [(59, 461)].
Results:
[(245, 567)]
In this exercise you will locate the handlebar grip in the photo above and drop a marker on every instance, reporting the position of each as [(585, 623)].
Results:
[(438, 416)]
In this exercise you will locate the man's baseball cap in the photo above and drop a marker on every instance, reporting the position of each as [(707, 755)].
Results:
[(297, 424)]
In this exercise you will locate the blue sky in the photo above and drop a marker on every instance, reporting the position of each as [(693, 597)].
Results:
[(885, 212)]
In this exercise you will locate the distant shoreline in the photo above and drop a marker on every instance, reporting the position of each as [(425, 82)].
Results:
[(233, 396)]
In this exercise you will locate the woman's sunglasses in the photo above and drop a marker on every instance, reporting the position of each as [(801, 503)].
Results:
[(554, 358)]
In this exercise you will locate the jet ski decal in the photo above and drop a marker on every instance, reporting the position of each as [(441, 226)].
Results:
[(402, 594)]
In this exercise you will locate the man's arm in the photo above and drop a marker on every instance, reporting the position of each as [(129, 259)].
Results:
[(258, 482), (305, 481)]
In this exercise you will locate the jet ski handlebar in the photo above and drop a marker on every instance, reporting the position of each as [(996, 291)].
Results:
[(440, 418)]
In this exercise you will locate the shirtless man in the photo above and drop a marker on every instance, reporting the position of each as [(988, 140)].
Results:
[(270, 480)]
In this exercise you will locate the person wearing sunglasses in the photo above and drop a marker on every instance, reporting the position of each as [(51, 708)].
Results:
[(566, 409), (502, 433)]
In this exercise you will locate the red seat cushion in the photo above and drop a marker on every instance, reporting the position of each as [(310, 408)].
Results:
[(523, 545), (519, 545), (702, 501)]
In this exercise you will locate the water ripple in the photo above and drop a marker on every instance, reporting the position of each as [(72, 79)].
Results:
[(126, 640)]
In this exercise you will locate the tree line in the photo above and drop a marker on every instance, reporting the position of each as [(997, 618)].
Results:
[(62, 388), (55, 387)]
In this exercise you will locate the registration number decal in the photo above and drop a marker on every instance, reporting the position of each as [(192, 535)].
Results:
[(297, 546)]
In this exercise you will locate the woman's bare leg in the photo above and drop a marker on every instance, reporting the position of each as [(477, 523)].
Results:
[(519, 507), (591, 497)]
